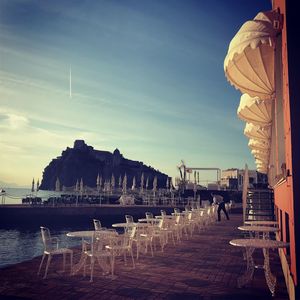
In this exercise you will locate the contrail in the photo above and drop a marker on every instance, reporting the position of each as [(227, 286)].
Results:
[(70, 82)]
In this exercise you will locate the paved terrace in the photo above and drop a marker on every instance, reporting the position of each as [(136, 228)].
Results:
[(203, 267)]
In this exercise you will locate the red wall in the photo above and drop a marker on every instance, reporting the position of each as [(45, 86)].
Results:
[(284, 192)]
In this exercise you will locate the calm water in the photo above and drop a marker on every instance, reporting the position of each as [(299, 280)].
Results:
[(18, 245), (15, 195), (21, 244)]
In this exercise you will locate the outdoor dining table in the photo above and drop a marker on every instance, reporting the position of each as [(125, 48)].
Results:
[(149, 220), (130, 224), (90, 234), (265, 230), (262, 223), (250, 245), (179, 214), (165, 217)]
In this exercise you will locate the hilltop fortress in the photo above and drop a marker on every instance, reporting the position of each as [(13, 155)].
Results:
[(83, 161)]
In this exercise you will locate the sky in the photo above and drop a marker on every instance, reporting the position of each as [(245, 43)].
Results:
[(147, 78)]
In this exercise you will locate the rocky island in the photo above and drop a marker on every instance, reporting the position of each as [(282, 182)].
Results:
[(84, 162)]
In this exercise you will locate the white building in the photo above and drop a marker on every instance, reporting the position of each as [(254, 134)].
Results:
[(234, 178)]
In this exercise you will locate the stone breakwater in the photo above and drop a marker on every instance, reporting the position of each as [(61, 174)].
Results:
[(22, 215), (34, 215)]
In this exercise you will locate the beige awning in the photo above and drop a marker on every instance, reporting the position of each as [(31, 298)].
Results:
[(260, 151), (249, 63), (264, 155), (262, 158), (255, 111), (261, 162), (263, 167), (257, 132), (263, 170), (259, 144)]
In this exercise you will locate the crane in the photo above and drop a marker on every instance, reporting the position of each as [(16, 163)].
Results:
[(183, 170)]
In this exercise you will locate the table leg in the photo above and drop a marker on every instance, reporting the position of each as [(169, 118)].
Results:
[(77, 267), (104, 264), (80, 264), (270, 278), (248, 275)]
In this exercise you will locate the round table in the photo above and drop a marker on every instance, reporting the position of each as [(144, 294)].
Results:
[(149, 220), (127, 226), (133, 224), (165, 217), (250, 245), (262, 223), (82, 234), (265, 230)]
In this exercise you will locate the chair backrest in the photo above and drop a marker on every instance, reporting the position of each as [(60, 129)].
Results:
[(46, 237), (176, 210), (103, 237), (163, 212), (149, 215), (129, 219), (160, 223), (97, 224), (127, 238)]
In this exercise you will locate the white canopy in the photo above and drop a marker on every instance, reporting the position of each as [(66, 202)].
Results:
[(261, 162), (255, 111), (257, 132), (249, 63), (259, 144), (263, 170), (260, 151), (262, 156)]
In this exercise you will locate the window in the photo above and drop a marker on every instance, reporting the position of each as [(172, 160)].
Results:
[(277, 153), (287, 232)]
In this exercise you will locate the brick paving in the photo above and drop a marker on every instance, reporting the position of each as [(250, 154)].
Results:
[(202, 267)]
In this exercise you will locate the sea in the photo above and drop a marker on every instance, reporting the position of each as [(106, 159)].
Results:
[(19, 244)]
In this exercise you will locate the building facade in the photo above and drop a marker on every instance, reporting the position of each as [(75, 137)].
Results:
[(233, 179), (263, 63)]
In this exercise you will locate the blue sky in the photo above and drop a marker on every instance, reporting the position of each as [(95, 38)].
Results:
[(147, 78)]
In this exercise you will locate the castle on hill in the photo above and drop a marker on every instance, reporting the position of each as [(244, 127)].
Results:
[(84, 162)]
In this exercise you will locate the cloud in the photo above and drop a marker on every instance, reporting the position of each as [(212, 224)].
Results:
[(12, 121)]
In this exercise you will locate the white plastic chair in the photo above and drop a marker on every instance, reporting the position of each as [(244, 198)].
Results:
[(129, 219), (97, 251), (149, 215), (51, 248), (157, 233), (163, 212), (120, 245), (97, 224), (176, 211)]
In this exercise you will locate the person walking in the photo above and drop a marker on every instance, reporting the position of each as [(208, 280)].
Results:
[(219, 200)]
